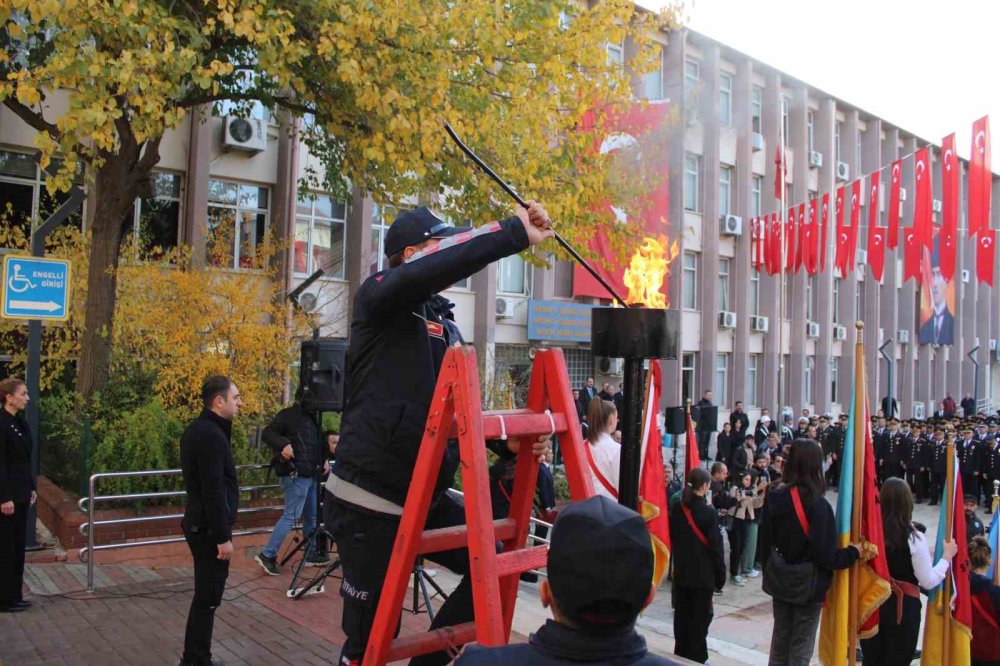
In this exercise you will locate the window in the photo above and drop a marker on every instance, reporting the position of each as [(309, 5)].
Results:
[(784, 120), (616, 54), (692, 76), (756, 186), (688, 361), (810, 378), (754, 291), (382, 217), (834, 372), (721, 378), (238, 220), (725, 99), (836, 141), (692, 171), (722, 296), (811, 130), (320, 235), (159, 215), (836, 300), (652, 82), (750, 391), (725, 190), (756, 109), (689, 281), (22, 188), (512, 274)]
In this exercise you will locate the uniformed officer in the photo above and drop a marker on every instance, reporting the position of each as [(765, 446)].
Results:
[(969, 461), (400, 331), (892, 451), (991, 469), (939, 462), (836, 445), (918, 447)]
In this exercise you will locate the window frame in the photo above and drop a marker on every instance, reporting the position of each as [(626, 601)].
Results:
[(237, 209), (757, 109), (725, 183), (720, 377), (724, 284), (692, 190), (691, 280), (692, 75), (725, 99), (526, 279), (754, 297), (756, 194), (753, 376), (688, 374), (311, 219)]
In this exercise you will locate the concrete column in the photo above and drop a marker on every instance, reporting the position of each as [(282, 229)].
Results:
[(286, 195), (770, 284), (849, 284), (359, 243), (484, 284), (826, 116), (709, 264), (795, 307), (908, 295), (871, 149), (740, 279), (889, 291), (196, 193)]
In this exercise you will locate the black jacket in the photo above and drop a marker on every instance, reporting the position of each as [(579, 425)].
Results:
[(779, 528), (740, 422), (556, 644), (724, 445), (16, 479), (210, 476), (694, 565), (295, 426), (399, 334)]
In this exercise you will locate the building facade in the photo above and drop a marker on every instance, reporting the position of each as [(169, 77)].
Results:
[(219, 173)]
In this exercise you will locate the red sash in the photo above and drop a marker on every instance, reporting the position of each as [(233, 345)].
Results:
[(597, 473), (694, 527), (799, 511)]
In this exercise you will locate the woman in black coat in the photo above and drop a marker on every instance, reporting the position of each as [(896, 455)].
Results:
[(699, 566), (725, 442), (17, 493)]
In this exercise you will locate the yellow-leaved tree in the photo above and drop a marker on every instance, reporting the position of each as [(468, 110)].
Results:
[(377, 81)]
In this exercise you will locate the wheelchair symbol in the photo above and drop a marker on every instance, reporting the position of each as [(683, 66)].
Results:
[(19, 283)]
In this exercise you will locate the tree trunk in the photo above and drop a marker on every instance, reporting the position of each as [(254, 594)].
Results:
[(116, 188)]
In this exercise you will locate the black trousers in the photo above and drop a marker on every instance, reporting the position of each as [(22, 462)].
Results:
[(703, 439), (937, 486), (210, 574), (970, 484), (13, 532), (921, 484), (737, 542), (894, 644), (364, 545), (692, 617)]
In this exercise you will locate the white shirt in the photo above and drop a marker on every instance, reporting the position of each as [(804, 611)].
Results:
[(929, 576), (607, 459)]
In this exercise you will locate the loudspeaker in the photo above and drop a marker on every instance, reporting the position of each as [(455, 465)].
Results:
[(321, 374), (675, 423), (706, 418)]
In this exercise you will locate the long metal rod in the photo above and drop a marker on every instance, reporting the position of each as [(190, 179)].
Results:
[(975, 377), (517, 197), (628, 473), (891, 368), (781, 269)]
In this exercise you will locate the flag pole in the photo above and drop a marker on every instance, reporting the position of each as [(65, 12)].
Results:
[(860, 424), (949, 516), (781, 269)]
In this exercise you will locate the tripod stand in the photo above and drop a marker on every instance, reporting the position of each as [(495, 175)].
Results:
[(421, 581)]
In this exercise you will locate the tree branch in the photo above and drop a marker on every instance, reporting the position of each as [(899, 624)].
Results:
[(32, 118)]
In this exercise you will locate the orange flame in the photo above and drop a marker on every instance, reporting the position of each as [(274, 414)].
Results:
[(647, 272)]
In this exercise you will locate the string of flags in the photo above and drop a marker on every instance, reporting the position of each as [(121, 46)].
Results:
[(805, 227)]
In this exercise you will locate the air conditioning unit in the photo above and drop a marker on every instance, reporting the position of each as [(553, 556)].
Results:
[(815, 159), (812, 329), (610, 366), (731, 225), (505, 307), (756, 142), (246, 134), (993, 344), (727, 319), (965, 277), (918, 411), (936, 205), (839, 332), (862, 257), (843, 171), (758, 324), (902, 194), (903, 335)]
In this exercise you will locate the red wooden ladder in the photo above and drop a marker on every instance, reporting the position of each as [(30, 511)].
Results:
[(456, 412)]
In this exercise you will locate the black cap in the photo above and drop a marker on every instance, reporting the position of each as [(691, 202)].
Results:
[(600, 563), (414, 227), (970, 499)]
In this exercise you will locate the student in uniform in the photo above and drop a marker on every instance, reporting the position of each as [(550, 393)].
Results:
[(910, 569)]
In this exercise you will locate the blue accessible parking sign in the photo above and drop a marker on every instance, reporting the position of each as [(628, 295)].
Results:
[(35, 288)]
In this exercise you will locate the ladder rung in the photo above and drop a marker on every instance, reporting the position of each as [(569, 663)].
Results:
[(450, 538), (432, 641), (521, 560), (518, 423)]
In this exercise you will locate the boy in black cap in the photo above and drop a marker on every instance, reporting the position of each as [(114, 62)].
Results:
[(600, 577)]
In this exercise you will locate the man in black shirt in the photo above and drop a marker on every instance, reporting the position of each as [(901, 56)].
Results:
[(739, 420), (212, 501)]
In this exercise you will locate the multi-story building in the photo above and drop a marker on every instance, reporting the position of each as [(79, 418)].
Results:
[(244, 175)]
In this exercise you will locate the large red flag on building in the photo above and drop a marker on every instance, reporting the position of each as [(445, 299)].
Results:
[(812, 253), (922, 199), (790, 223), (852, 242), (980, 177), (985, 253), (840, 261), (825, 225), (948, 247), (774, 245), (894, 192), (876, 234), (780, 169), (911, 255), (804, 234), (652, 481)]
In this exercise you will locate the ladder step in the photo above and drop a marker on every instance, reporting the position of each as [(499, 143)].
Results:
[(450, 538), (518, 423), (521, 560), (432, 641)]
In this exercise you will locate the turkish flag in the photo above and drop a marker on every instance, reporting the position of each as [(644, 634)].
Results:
[(852, 242), (911, 255), (896, 174), (773, 251), (980, 177), (804, 234), (948, 245), (922, 200), (825, 224), (875, 177), (876, 251), (984, 255), (780, 168), (840, 262), (758, 244), (812, 254), (790, 240)]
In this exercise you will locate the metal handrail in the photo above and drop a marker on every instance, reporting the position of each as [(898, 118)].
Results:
[(89, 503)]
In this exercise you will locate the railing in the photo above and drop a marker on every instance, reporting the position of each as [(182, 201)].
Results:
[(90, 502)]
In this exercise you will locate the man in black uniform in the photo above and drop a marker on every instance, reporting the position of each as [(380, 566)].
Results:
[(835, 445), (212, 500), (919, 448), (991, 469), (939, 465), (880, 442), (400, 331), (893, 451), (969, 462)]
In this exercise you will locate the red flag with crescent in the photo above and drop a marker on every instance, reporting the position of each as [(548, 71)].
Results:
[(922, 199), (948, 247), (812, 254), (876, 234), (980, 177), (911, 255), (985, 253), (804, 234), (896, 182), (852, 242), (843, 236), (825, 225), (774, 245), (790, 240)]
